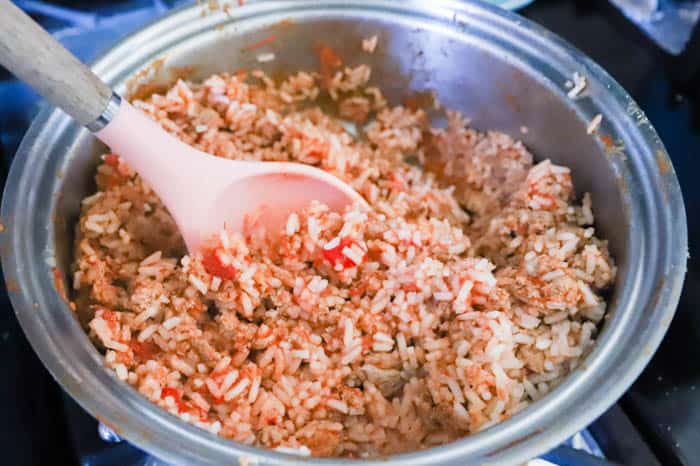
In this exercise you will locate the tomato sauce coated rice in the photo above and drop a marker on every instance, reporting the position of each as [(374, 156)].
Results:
[(470, 289)]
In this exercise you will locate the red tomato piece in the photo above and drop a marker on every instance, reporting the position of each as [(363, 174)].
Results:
[(336, 257), (215, 264)]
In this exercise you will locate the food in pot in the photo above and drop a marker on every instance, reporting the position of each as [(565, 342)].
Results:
[(472, 287)]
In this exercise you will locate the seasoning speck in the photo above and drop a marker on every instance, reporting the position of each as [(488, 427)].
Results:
[(262, 42)]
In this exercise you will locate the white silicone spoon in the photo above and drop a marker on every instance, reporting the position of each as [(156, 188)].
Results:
[(201, 191)]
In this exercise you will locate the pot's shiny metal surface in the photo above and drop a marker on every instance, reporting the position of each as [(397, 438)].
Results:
[(499, 69)]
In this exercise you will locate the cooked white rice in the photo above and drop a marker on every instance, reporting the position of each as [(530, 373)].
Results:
[(471, 287)]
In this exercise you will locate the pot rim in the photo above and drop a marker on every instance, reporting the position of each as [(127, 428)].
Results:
[(657, 237)]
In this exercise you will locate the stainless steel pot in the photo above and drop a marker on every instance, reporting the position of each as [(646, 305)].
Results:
[(499, 69)]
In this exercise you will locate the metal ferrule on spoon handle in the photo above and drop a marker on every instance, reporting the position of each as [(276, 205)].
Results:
[(106, 117)]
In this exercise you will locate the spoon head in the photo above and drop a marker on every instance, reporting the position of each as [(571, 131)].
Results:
[(261, 203), (205, 193)]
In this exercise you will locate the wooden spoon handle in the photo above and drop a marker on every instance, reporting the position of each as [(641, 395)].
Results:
[(35, 57)]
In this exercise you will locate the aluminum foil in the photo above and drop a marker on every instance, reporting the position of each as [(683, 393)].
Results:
[(669, 23)]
